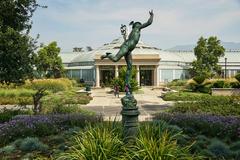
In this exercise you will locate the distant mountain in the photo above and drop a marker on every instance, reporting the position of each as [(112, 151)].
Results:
[(189, 47), (231, 45), (227, 45)]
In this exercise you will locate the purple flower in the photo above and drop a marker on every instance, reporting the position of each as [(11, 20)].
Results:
[(28, 125), (205, 123)]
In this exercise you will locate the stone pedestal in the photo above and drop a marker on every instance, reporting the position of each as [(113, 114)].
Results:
[(129, 117)]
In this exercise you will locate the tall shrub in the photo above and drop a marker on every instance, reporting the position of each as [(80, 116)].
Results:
[(238, 77), (207, 52), (54, 85), (120, 81)]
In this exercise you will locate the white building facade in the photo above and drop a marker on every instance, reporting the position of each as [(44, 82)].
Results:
[(154, 66)]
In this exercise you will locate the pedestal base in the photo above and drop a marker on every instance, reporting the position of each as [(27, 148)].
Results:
[(129, 117)]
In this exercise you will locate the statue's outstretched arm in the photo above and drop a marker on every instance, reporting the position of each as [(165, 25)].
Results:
[(150, 20)]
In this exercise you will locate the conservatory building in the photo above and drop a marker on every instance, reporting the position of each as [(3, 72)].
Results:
[(154, 66)]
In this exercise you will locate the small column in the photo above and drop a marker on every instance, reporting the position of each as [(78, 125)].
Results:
[(160, 75), (156, 76), (116, 71), (138, 75), (174, 73), (97, 76)]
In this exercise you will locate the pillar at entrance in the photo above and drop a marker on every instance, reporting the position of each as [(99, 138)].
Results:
[(138, 75), (116, 71), (156, 76), (97, 76)]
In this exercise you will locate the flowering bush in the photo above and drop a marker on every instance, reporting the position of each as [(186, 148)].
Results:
[(213, 126), (41, 125)]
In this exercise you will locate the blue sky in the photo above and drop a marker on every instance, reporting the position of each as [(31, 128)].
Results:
[(79, 23)]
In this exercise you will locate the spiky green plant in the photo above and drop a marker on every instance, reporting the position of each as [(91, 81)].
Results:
[(96, 143), (157, 144)]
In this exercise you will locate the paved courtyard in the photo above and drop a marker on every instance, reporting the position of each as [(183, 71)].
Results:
[(104, 102)]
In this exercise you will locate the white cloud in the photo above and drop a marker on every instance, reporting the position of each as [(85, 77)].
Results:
[(176, 21)]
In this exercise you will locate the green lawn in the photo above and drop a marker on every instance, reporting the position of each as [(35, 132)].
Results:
[(184, 96)]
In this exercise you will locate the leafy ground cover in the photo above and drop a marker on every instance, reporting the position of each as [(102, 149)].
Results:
[(200, 84), (55, 88), (103, 141), (213, 122), (204, 103), (184, 96), (60, 111), (215, 137), (19, 96), (74, 136), (22, 126), (213, 126)]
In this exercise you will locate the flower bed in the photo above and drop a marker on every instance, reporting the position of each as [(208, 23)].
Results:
[(42, 125), (213, 126)]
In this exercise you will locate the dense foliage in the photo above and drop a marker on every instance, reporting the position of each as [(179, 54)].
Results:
[(104, 142), (64, 102), (206, 85), (16, 56), (53, 85), (99, 142), (207, 52), (156, 139), (42, 125), (8, 114), (216, 105), (184, 96), (210, 125), (120, 81), (215, 136), (238, 77), (203, 85), (16, 46), (48, 62), (23, 95)]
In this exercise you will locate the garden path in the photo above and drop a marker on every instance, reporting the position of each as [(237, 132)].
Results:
[(104, 102)]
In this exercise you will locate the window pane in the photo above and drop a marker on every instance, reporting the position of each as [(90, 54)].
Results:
[(167, 75)]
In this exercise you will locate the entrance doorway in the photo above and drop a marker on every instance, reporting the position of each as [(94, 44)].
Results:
[(106, 77), (146, 77)]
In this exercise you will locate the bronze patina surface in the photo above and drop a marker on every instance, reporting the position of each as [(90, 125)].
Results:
[(128, 46), (129, 110)]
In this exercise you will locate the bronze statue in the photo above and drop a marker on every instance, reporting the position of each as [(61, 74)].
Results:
[(128, 45)]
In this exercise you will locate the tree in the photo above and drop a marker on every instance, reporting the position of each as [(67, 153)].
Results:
[(120, 81), (48, 62), (16, 56), (16, 46), (207, 52)]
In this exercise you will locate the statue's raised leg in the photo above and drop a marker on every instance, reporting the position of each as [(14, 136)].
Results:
[(122, 52)]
